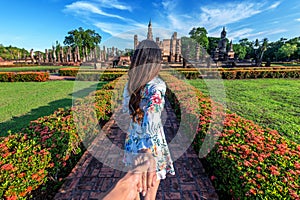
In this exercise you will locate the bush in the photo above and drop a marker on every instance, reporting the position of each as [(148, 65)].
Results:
[(50, 144), (24, 165), (6, 76), (24, 76), (247, 161), (74, 71), (104, 76), (244, 74)]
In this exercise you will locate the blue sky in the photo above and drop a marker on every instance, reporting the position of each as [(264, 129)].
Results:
[(38, 24)]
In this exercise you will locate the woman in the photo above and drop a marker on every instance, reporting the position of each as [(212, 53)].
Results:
[(144, 101)]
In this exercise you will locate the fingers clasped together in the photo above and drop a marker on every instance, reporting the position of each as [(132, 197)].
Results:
[(145, 166)]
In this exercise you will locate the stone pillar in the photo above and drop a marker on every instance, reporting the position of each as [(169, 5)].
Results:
[(53, 54), (46, 56), (104, 53), (31, 56), (171, 50), (40, 58), (69, 55), (177, 51), (77, 54), (157, 40), (112, 51), (197, 52), (135, 42)]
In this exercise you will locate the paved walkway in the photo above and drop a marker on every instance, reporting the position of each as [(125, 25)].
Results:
[(90, 178), (53, 77)]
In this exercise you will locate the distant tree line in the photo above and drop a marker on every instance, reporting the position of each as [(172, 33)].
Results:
[(281, 50), (12, 53), (87, 40)]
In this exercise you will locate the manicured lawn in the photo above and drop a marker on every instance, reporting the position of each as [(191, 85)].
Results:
[(272, 103), (22, 102)]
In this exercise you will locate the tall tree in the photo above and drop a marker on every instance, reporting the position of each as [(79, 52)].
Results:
[(212, 44), (286, 50), (240, 51), (84, 39), (260, 48), (200, 35), (249, 47)]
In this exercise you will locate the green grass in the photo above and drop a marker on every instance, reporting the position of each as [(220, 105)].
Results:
[(272, 103), (22, 102)]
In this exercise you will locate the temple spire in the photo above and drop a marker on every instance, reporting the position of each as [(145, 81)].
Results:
[(149, 35)]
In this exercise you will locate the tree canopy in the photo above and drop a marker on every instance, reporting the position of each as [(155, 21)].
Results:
[(82, 38), (200, 35)]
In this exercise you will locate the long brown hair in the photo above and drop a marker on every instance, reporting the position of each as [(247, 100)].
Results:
[(145, 65)]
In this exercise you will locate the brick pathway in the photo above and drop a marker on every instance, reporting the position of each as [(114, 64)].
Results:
[(90, 178), (53, 77)]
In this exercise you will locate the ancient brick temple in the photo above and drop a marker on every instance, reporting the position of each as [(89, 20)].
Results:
[(171, 48)]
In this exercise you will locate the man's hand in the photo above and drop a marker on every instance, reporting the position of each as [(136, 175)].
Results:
[(142, 177), (148, 176)]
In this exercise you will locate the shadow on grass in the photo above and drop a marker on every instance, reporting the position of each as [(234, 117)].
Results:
[(16, 124)]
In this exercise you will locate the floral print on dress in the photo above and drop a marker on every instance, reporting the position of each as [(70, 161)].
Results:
[(150, 133)]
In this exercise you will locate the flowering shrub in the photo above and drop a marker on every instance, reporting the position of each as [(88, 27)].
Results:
[(24, 76), (244, 74), (40, 153), (74, 71), (236, 73), (247, 161), (103, 76), (68, 71), (23, 164), (6, 76)]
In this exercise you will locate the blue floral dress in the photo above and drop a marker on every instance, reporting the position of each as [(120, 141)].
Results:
[(150, 133)]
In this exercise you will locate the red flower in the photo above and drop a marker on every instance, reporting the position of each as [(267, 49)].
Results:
[(252, 191), (258, 176), (156, 99), (297, 165), (274, 170), (213, 177), (7, 167)]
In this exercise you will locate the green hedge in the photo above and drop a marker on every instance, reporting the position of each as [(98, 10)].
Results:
[(51, 144), (240, 74), (74, 71), (105, 76), (23, 164), (24, 76), (247, 161), (246, 74)]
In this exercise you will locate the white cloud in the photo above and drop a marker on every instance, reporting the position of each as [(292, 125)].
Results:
[(81, 7), (298, 20), (239, 34), (169, 5), (212, 17), (114, 4), (262, 34), (274, 5)]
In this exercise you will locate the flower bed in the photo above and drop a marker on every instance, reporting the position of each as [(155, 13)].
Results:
[(24, 76), (245, 74), (36, 160), (241, 74), (247, 162), (74, 71), (104, 76)]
